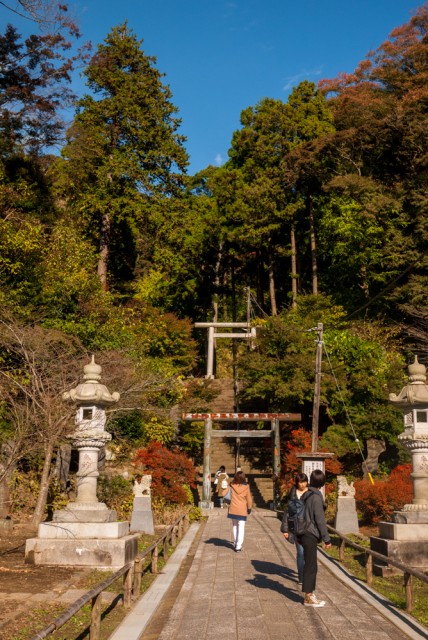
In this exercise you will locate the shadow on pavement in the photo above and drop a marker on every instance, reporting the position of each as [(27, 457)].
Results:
[(263, 582), (219, 542), (274, 569)]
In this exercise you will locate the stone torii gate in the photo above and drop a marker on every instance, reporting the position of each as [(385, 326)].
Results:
[(249, 333), (209, 418)]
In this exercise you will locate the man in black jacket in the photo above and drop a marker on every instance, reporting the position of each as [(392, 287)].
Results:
[(317, 531)]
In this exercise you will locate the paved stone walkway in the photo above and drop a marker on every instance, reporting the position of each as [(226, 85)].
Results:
[(253, 595)]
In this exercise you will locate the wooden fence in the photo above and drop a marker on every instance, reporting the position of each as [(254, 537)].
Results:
[(132, 574), (408, 572)]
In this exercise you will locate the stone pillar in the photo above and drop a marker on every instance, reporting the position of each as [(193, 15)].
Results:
[(142, 515), (346, 520), (206, 502)]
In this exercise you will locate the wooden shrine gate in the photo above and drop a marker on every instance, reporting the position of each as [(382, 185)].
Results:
[(209, 418)]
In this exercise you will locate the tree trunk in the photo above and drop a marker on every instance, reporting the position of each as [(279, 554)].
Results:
[(260, 300), (272, 292), (39, 511), (217, 282), (293, 266), (4, 494), (104, 250), (7, 467), (313, 246)]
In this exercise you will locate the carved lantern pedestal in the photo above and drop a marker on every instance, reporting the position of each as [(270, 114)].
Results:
[(86, 532), (405, 538)]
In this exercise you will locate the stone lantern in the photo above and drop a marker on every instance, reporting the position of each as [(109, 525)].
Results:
[(406, 537), (86, 532), (413, 401), (91, 399)]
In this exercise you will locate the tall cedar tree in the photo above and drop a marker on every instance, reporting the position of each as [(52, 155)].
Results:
[(123, 149), (270, 131)]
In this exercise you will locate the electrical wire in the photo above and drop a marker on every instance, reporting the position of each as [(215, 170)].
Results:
[(347, 415)]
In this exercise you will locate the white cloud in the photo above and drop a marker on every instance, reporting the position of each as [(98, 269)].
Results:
[(219, 160), (305, 74)]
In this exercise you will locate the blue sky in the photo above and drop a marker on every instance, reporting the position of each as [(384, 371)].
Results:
[(222, 56)]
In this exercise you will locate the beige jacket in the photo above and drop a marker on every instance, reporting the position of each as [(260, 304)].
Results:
[(241, 500)]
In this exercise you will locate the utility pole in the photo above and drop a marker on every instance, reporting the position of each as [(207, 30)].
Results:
[(317, 391)]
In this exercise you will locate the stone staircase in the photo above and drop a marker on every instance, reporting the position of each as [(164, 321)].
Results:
[(256, 466)]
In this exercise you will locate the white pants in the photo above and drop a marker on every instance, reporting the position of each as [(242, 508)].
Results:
[(238, 530)]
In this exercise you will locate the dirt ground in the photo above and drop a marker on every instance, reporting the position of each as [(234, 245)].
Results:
[(24, 587)]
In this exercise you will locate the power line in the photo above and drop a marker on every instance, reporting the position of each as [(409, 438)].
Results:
[(348, 416)]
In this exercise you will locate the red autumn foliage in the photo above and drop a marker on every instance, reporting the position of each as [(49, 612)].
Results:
[(300, 441), (377, 502), (170, 470)]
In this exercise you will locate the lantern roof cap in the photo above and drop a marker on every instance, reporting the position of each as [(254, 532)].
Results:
[(92, 371), (417, 371), (91, 391), (416, 391)]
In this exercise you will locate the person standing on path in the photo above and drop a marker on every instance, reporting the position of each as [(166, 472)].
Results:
[(299, 488), (317, 531), (240, 508), (221, 482)]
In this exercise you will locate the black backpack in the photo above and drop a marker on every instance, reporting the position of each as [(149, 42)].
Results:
[(297, 522)]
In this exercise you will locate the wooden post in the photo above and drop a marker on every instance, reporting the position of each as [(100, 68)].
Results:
[(317, 390), (94, 630), (155, 554), (180, 529), (342, 550), (127, 588), (138, 569), (369, 569), (206, 488), (408, 586), (186, 523), (174, 536), (165, 548), (276, 454)]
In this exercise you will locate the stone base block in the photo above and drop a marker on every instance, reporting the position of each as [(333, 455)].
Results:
[(410, 552), (395, 531), (206, 504), (142, 521), (411, 517), (83, 530), (346, 520), (85, 513), (105, 554)]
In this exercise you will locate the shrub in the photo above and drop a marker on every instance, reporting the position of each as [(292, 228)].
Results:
[(117, 493), (170, 471), (378, 502)]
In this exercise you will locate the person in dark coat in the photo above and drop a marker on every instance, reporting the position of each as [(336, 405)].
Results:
[(317, 531), (298, 489)]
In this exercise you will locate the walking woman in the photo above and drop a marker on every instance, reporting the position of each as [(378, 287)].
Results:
[(240, 507), (222, 483), (299, 488), (317, 531)]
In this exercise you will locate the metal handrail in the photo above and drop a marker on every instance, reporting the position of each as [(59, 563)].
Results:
[(181, 523)]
